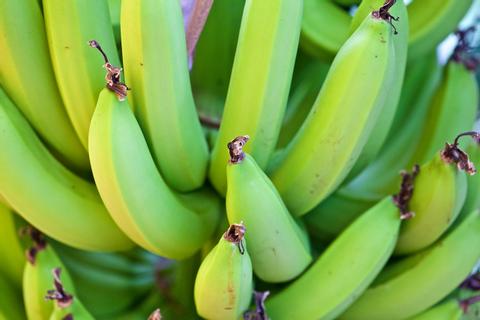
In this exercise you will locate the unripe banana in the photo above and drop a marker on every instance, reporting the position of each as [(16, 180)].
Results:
[(419, 281), (338, 123), (223, 287), (69, 26), (48, 195), (155, 60), (259, 82), (150, 213), (26, 74), (274, 239), (11, 250), (343, 271), (472, 200), (449, 310), (11, 307)]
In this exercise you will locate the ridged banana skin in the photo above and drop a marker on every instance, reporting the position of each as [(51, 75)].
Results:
[(11, 251), (69, 26), (441, 269), (439, 193), (453, 109), (334, 133), (27, 76), (343, 271), (11, 307), (449, 310), (385, 120), (155, 61), (325, 28), (259, 82), (38, 279), (431, 21), (224, 286), (46, 194), (274, 239), (151, 214)]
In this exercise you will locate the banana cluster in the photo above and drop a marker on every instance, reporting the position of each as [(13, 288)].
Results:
[(238, 159)]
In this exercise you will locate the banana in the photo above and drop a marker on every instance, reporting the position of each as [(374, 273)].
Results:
[(382, 126), (11, 307), (306, 173), (421, 280), (439, 194), (259, 82), (325, 28), (274, 239), (224, 286), (114, 7), (431, 21), (151, 214), (11, 249), (348, 2), (69, 26), (343, 271), (26, 75), (449, 310), (156, 68), (46, 194)]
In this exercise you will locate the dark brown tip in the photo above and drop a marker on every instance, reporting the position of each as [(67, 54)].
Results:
[(38, 243), (235, 148), (452, 153), (466, 303), (260, 311), (383, 13), (402, 198), (155, 315), (235, 234), (59, 294), (113, 74), (464, 53)]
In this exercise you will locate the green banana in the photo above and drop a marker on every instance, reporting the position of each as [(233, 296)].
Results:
[(344, 270), (431, 21), (11, 249), (449, 310), (325, 28), (306, 174), (151, 214), (384, 122), (11, 307), (26, 75), (423, 279), (69, 26), (472, 200), (114, 7), (278, 251), (348, 2), (155, 60), (223, 286), (259, 82), (46, 194)]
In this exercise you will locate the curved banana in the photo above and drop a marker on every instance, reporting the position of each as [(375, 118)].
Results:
[(155, 60), (348, 2), (385, 120), (151, 214), (69, 26), (274, 239), (325, 28), (224, 286), (449, 310), (334, 133), (26, 75), (46, 194), (11, 307), (343, 271), (431, 21), (259, 82), (432, 274)]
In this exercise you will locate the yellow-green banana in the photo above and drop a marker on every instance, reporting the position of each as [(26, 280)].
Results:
[(325, 28), (330, 140), (259, 82), (11, 307), (431, 21), (224, 286), (69, 26), (344, 270), (448, 310), (47, 194), (150, 213), (114, 7), (419, 281), (274, 239), (27, 76), (155, 60)]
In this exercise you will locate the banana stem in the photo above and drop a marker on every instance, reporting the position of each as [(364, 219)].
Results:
[(453, 154), (402, 199), (235, 234), (260, 312), (383, 13), (235, 149)]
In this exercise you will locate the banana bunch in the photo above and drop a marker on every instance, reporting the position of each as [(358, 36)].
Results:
[(239, 159)]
